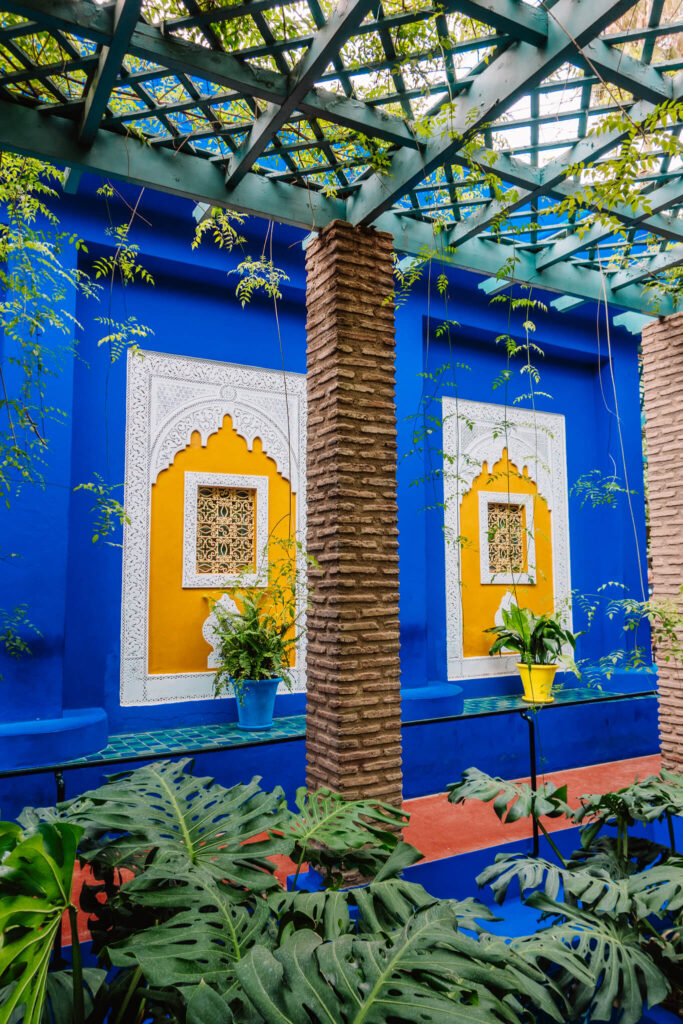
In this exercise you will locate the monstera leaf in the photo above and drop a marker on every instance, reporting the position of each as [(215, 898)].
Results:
[(511, 800), (35, 890), (59, 997), (658, 891), (328, 912), (595, 889), (427, 972), (206, 935), (646, 801), (160, 814), (652, 799), (379, 908), (382, 906), (621, 973), (337, 835), (603, 856)]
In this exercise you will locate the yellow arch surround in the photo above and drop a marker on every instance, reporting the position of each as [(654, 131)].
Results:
[(480, 601), (176, 615)]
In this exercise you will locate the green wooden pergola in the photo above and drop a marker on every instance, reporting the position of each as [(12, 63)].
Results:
[(308, 112)]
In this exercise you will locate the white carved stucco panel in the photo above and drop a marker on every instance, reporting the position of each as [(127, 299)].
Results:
[(168, 398), (478, 432)]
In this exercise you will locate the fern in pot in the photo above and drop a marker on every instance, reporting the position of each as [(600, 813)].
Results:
[(539, 640), (255, 644)]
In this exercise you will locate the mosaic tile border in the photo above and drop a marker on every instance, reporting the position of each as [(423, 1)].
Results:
[(172, 742)]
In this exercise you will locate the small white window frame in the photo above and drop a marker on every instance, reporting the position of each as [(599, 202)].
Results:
[(208, 580), (487, 498)]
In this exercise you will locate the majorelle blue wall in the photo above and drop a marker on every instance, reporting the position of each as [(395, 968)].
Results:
[(73, 586)]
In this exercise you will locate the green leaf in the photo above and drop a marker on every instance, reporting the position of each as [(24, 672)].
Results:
[(646, 801), (621, 974), (427, 972), (206, 1007), (208, 933), (326, 912), (326, 817), (162, 815), (59, 1001), (35, 890), (338, 835), (511, 800)]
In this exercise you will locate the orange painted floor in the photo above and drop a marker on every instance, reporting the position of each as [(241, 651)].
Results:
[(439, 829)]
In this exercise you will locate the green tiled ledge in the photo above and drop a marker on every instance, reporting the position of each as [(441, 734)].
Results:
[(197, 737), (512, 702), (217, 735)]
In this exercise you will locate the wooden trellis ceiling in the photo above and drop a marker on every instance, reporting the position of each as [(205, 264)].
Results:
[(305, 111)]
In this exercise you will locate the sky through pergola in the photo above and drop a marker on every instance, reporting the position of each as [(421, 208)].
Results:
[(458, 127)]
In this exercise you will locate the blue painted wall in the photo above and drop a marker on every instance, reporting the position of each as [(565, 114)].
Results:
[(74, 586)]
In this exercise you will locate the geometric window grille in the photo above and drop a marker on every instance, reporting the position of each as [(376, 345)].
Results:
[(506, 537), (226, 529)]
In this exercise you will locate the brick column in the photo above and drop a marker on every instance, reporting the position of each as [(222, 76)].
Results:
[(353, 732), (663, 379)]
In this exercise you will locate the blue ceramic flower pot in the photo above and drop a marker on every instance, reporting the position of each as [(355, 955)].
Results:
[(255, 708)]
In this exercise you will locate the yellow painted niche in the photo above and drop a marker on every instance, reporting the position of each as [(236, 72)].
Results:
[(480, 601), (176, 615)]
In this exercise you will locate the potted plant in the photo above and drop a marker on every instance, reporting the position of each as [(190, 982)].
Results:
[(539, 639), (255, 644)]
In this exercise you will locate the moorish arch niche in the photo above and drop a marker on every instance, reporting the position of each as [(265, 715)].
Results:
[(506, 525), (215, 471)]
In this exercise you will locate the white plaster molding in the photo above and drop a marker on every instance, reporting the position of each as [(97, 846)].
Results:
[(194, 579), (507, 602), (209, 628), (478, 432), (168, 398), (487, 498)]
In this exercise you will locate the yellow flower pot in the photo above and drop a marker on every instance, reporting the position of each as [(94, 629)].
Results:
[(537, 681)]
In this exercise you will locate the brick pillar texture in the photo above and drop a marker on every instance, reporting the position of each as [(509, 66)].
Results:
[(353, 731), (663, 381)]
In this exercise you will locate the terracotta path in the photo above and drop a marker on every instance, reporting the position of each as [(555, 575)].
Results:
[(440, 829)]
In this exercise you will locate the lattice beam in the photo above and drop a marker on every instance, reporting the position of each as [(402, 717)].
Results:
[(326, 44), (644, 81), (199, 108), (125, 18), (504, 80), (512, 17), (647, 269), (659, 199)]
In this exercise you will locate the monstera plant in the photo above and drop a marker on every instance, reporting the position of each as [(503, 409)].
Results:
[(189, 924)]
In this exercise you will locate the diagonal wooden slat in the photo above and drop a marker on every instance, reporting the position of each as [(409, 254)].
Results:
[(518, 69), (345, 18), (526, 44), (644, 81), (647, 269), (125, 18), (512, 17), (660, 199)]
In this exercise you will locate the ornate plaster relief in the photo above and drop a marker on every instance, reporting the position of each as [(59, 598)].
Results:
[(210, 625), (478, 432), (168, 398)]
